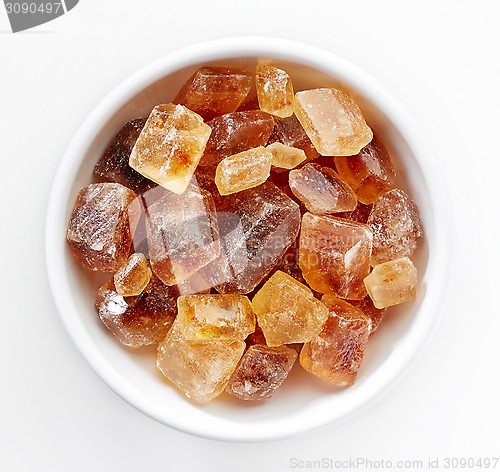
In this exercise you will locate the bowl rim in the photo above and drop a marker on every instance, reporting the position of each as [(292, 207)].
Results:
[(226, 48)]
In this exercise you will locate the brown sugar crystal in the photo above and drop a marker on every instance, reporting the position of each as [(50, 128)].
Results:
[(102, 226), (286, 157), (336, 353), (370, 173), (274, 91), (214, 91), (261, 372), (368, 308), (133, 276), (334, 255)]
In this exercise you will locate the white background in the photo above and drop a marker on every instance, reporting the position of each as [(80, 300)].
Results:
[(440, 58)]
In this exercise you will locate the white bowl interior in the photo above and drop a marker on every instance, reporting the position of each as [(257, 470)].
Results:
[(303, 402)]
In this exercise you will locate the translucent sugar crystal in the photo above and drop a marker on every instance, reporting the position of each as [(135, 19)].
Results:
[(286, 157), (236, 132), (368, 308), (321, 189), (138, 321), (182, 234), (289, 131), (334, 255), (287, 311), (256, 227), (242, 171), (211, 317), (261, 372), (392, 283), (201, 369), (170, 146), (336, 353), (369, 173), (214, 91), (102, 225), (333, 121), (133, 276), (274, 91), (396, 226), (113, 165)]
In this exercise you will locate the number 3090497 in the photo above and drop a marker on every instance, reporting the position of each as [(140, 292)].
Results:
[(32, 8)]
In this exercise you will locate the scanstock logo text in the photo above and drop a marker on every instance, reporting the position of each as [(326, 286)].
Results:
[(30, 13)]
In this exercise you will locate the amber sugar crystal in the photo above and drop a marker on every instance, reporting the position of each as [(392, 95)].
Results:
[(333, 121), (368, 308), (392, 283), (242, 171), (236, 132), (274, 90), (261, 372), (321, 190), (170, 146), (211, 317), (334, 255), (370, 173), (287, 311), (286, 157), (102, 225), (336, 353), (138, 321), (133, 276), (214, 91)]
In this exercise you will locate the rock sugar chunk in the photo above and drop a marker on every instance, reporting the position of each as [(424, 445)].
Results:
[(396, 226), (274, 91), (170, 146), (236, 132), (289, 131), (242, 171), (370, 173), (256, 228), (102, 226), (214, 91), (286, 157), (333, 121), (261, 372), (133, 276), (392, 283), (321, 190), (368, 308), (201, 369), (334, 255), (287, 311), (336, 353), (182, 234), (138, 321), (113, 166), (214, 317)]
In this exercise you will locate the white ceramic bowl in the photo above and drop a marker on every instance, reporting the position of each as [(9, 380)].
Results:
[(304, 402)]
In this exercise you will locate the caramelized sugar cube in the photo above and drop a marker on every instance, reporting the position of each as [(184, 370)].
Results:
[(236, 132), (138, 321), (289, 131), (286, 157), (102, 225), (182, 234), (113, 165), (170, 146), (321, 189), (368, 308), (256, 227), (213, 317), (396, 226), (133, 276), (242, 171), (370, 173), (214, 91), (201, 369), (392, 283), (287, 311), (274, 91), (336, 353), (261, 372), (333, 121), (334, 255)]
